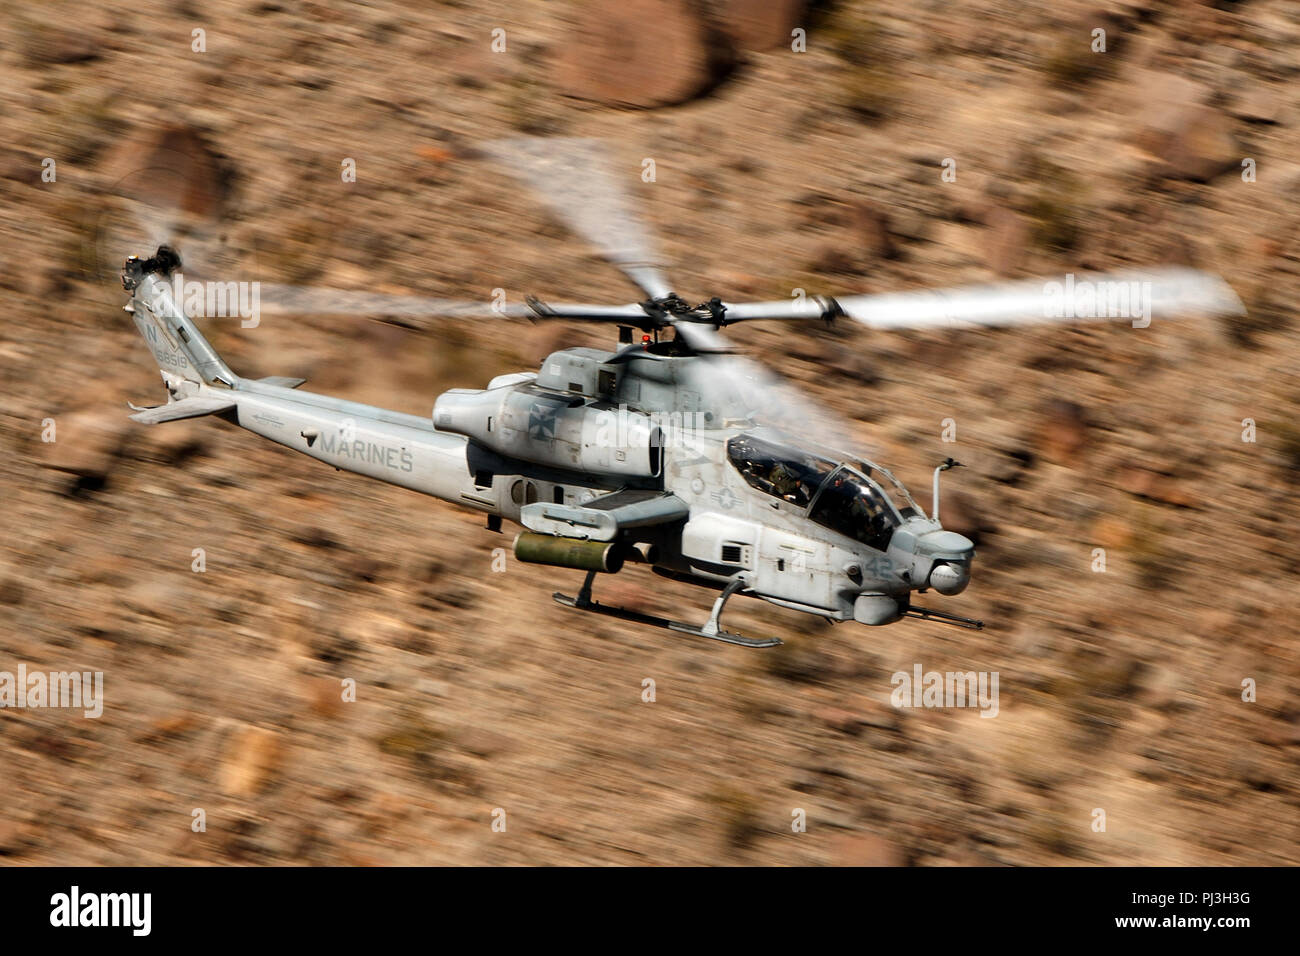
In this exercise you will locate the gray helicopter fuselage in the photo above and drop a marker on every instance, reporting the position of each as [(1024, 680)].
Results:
[(555, 451), (732, 528)]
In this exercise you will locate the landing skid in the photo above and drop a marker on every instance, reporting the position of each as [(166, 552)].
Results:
[(943, 617), (710, 629)]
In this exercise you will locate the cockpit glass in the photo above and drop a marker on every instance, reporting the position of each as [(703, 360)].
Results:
[(893, 489), (779, 470), (855, 507)]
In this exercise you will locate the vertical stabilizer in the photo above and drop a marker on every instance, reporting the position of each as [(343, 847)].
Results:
[(177, 345)]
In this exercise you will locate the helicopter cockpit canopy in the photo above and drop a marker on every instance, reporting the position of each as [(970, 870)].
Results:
[(842, 496), (779, 470), (853, 505)]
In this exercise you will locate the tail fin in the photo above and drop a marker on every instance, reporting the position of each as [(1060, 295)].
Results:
[(175, 341)]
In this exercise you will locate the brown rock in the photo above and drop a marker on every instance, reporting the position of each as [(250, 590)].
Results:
[(171, 167), (1202, 145), (1007, 240), (865, 849), (165, 728), (50, 44), (155, 596), (1063, 432), (840, 720), (1190, 139), (834, 259), (640, 53), (86, 443), (482, 742), (1278, 732), (756, 25), (15, 837), (1259, 105), (437, 155), (324, 696), (1009, 465), (477, 65), (19, 167), (1111, 533), (871, 230), (252, 756), (1163, 688), (739, 283), (1142, 482), (12, 591), (1137, 480)]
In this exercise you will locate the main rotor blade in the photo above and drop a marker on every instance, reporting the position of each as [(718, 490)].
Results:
[(574, 178), (337, 302), (1139, 295), (630, 314), (701, 338), (804, 307), (735, 381), (1136, 294)]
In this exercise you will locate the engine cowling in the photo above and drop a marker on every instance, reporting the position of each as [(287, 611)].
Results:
[(550, 428)]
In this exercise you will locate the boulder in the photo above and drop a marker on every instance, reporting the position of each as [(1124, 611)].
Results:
[(86, 442), (1201, 145), (52, 44), (1062, 432), (871, 230), (172, 167), (16, 837), (252, 757), (1008, 238), (865, 849), (639, 53), (757, 25), (1177, 127)]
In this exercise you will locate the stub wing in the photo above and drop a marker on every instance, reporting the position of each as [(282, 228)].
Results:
[(601, 519)]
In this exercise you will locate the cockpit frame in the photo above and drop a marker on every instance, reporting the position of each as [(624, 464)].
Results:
[(801, 477)]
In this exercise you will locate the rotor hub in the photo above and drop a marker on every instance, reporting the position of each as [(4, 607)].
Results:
[(665, 309)]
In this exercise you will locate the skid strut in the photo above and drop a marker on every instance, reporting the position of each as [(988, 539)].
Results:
[(711, 629)]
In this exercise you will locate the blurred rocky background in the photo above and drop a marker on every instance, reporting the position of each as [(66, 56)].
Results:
[(783, 159)]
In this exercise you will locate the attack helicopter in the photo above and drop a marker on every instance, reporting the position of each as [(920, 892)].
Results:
[(668, 449)]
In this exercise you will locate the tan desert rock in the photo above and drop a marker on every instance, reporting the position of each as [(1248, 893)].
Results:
[(638, 53), (757, 25), (86, 442), (252, 756)]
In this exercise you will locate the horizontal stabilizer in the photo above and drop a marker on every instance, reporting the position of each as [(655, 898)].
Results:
[(185, 408), (282, 381)]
